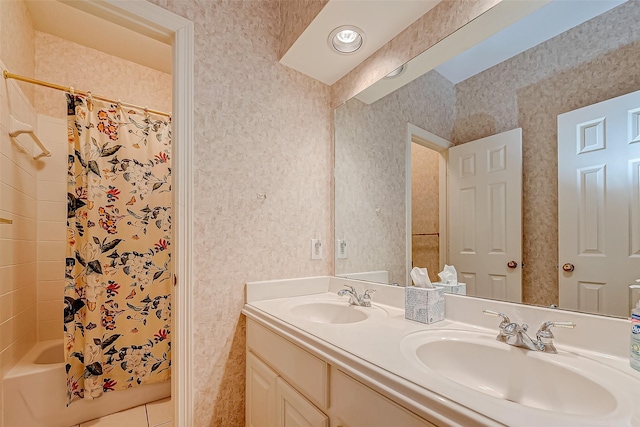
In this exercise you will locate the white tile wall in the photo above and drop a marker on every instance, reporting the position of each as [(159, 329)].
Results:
[(18, 241), (51, 229)]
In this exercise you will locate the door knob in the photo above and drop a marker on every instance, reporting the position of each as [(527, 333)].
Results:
[(512, 264), (568, 267)]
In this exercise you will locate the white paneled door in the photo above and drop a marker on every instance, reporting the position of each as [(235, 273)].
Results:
[(485, 211), (599, 205)]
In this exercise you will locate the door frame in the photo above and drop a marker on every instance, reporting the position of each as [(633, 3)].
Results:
[(156, 22), (416, 134)]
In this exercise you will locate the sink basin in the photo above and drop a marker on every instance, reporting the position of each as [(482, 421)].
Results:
[(552, 382), (332, 311), (329, 312)]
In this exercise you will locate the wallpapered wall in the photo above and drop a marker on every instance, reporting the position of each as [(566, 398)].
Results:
[(295, 17), (17, 42), (371, 144), (588, 64), (259, 128), (70, 64)]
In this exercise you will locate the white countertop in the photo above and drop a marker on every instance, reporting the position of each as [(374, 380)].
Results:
[(376, 346)]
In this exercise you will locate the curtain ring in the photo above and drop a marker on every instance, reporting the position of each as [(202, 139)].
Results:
[(89, 97), (89, 101), (119, 104), (72, 91), (146, 112)]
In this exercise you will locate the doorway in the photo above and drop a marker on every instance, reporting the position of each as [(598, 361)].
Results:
[(427, 244), (163, 25)]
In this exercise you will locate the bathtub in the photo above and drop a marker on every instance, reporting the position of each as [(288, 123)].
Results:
[(35, 395)]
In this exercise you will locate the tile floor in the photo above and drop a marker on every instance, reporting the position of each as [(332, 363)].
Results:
[(154, 414)]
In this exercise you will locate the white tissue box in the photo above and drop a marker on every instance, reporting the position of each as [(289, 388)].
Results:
[(458, 289), (424, 305)]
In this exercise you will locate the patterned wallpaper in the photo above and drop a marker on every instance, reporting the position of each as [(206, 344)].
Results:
[(583, 66), (370, 152), (259, 128), (295, 17), (17, 42), (70, 64)]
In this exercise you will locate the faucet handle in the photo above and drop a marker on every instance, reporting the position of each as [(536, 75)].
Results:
[(545, 336), (365, 299), (545, 329), (506, 327), (505, 318)]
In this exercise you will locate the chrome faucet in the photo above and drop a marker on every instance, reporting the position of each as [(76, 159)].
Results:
[(516, 335), (363, 300)]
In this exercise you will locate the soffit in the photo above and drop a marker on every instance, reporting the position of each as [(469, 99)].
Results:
[(381, 21), (67, 22)]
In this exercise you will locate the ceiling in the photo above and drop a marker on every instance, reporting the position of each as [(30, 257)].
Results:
[(69, 23), (381, 21)]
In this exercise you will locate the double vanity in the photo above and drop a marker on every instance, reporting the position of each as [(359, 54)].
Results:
[(317, 358)]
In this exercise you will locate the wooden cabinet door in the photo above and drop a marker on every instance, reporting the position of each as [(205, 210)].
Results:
[(355, 405), (261, 394), (296, 411)]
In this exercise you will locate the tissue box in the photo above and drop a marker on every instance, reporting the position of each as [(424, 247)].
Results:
[(458, 289), (424, 305)]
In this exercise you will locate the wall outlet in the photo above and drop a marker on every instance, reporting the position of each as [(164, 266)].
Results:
[(341, 248), (316, 249)]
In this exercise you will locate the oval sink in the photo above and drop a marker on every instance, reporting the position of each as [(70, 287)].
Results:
[(330, 312), (551, 382)]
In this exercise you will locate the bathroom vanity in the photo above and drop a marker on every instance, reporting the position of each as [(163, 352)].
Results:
[(315, 360)]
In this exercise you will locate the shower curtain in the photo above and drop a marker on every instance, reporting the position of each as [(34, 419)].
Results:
[(117, 313)]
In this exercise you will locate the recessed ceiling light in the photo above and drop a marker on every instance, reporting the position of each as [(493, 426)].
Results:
[(346, 39), (395, 73)]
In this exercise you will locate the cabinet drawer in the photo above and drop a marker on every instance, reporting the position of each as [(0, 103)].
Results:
[(353, 404), (304, 371)]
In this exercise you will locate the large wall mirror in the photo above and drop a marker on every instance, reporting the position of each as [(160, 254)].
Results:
[(517, 160)]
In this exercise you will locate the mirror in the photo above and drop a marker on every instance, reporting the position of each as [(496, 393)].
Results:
[(561, 57)]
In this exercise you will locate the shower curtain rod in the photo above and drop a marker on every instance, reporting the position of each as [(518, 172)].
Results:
[(8, 75)]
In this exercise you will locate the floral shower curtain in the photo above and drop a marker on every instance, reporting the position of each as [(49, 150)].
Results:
[(117, 313)]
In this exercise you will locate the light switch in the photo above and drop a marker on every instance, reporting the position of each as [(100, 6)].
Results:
[(316, 249), (341, 248)]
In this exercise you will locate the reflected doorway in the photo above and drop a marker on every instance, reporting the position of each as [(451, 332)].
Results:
[(427, 245), (425, 208)]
